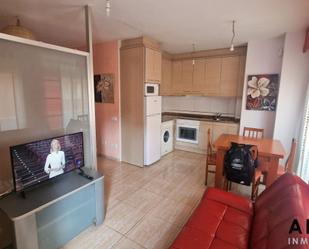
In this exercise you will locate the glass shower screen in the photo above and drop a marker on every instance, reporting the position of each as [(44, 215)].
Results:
[(43, 93)]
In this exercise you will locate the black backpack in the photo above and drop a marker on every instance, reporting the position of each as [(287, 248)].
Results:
[(239, 164)]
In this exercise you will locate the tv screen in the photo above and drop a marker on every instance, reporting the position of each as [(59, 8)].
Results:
[(36, 162)]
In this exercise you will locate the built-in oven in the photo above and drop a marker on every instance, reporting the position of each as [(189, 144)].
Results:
[(151, 89), (187, 131)]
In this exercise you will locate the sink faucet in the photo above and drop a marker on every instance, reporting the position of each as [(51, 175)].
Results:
[(218, 116)]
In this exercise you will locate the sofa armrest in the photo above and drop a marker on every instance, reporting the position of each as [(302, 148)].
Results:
[(230, 199)]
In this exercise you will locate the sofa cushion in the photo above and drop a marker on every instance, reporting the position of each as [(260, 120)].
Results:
[(275, 209), (222, 220)]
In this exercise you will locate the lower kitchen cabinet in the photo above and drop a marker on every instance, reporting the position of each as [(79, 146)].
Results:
[(216, 129), (223, 128)]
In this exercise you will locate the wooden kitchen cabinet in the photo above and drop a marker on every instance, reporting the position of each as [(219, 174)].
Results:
[(216, 129), (223, 128), (140, 61), (229, 76), (153, 62), (219, 75), (199, 77), (176, 77), (166, 78), (241, 75), (186, 76), (212, 76), (203, 136)]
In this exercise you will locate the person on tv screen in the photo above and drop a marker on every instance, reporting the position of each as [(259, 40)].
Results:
[(55, 161)]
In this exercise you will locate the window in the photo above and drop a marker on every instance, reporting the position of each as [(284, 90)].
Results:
[(303, 164)]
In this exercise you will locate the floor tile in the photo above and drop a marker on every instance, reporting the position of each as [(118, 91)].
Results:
[(122, 217), (153, 233), (172, 211), (144, 200), (126, 243), (101, 237), (147, 207)]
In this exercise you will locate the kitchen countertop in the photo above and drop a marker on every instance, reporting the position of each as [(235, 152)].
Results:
[(167, 116)]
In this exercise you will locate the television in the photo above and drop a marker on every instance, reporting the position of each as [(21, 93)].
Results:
[(39, 161)]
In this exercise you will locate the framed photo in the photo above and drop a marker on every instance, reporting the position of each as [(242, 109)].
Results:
[(104, 88), (262, 92)]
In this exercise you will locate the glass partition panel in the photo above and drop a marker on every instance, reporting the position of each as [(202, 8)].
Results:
[(43, 93)]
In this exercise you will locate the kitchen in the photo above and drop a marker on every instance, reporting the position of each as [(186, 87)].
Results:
[(199, 90)]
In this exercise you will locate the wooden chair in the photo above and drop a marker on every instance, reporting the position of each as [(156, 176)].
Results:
[(256, 179), (211, 156), (253, 132), (288, 167), (256, 133)]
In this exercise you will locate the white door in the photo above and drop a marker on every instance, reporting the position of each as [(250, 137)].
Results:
[(152, 143), (152, 105)]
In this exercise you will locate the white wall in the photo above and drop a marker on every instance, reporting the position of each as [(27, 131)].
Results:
[(197, 104), (263, 57), (293, 85)]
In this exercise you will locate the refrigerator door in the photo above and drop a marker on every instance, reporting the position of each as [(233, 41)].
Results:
[(152, 105), (152, 143)]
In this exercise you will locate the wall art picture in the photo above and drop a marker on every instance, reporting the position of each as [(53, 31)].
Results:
[(262, 92), (104, 88)]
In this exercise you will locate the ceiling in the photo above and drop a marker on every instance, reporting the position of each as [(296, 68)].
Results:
[(177, 24)]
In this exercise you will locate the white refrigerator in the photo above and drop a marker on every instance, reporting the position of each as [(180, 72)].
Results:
[(152, 142)]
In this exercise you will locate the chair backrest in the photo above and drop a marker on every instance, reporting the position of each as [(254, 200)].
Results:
[(209, 143), (253, 132), (289, 162)]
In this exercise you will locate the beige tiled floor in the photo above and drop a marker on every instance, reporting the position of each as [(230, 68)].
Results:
[(146, 207)]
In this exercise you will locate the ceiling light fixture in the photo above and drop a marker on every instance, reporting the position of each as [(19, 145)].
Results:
[(232, 40), (108, 7), (18, 30), (193, 49)]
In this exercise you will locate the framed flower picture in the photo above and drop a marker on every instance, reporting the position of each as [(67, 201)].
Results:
[(262, 92), (104, 88)]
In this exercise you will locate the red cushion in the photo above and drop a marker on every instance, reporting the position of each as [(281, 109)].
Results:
[(230, 199), (222, 220)]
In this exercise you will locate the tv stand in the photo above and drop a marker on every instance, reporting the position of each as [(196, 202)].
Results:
[(83, 174), (23, 194), (56, 212)]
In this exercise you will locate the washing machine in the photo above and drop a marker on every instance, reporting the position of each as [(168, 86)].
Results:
[(167, 137)]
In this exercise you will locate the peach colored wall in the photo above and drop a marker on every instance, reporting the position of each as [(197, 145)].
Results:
[(106, 60)]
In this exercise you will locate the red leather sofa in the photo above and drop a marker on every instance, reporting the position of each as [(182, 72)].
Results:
[(227, 221)]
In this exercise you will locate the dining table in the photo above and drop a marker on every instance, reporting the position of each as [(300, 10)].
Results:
[(270, 151)]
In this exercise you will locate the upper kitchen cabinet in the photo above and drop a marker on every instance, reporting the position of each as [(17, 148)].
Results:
[(229, 76), (185, 83), (212, 76), (206, 73), (182, 76), (153, 62), (166, 78), (199, 76), (176, 77), (241, 75)]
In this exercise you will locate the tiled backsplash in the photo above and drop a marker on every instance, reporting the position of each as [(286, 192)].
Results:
[(203, 105)]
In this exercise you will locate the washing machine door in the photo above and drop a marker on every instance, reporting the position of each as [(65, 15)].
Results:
[(166, 136)]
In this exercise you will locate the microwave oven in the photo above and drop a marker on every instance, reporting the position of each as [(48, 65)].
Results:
[(151, 89)]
